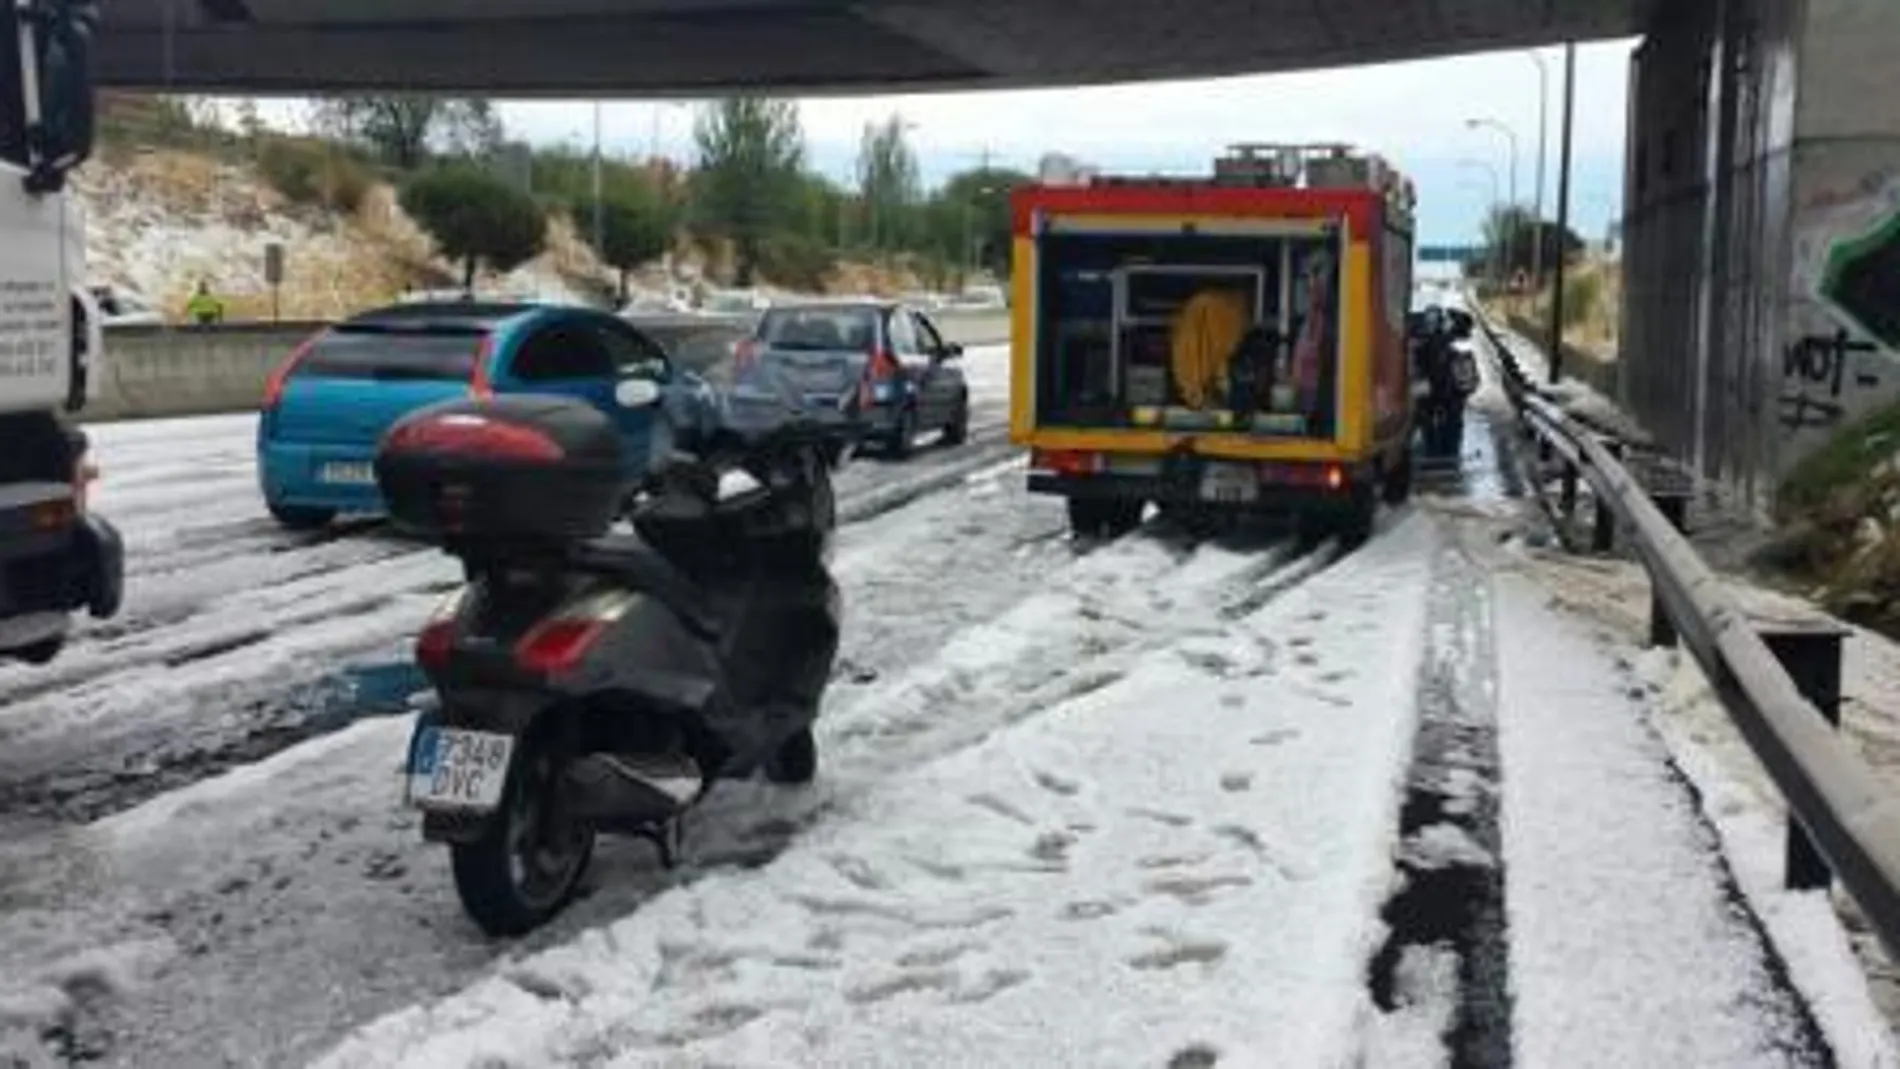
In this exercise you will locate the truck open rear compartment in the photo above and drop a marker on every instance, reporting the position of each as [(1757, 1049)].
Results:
[(1214, 347)]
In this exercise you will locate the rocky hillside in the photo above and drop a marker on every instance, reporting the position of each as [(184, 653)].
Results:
[(159, 220)]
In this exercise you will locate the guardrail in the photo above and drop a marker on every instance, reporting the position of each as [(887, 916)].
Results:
[(1780, 682), (161, 371)]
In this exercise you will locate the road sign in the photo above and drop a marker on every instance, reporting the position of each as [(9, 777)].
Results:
[(1450, 254)]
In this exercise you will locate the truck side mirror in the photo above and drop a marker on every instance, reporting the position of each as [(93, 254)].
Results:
[(64, 137)]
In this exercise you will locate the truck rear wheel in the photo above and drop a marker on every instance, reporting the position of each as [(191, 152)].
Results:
[(1396, 486), (1356, 525), (1109, 518)]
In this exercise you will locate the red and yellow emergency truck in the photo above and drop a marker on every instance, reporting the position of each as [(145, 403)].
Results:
[(1217, 345)]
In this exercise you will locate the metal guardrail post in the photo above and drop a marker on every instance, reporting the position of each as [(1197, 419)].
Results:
[(1568, 501), (1603, 533), (1675, 509), (1811, 655)]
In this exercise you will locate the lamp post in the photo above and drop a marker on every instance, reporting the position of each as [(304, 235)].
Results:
[(1543, 130), (599, 224), (1510, 136), (1497, 256)]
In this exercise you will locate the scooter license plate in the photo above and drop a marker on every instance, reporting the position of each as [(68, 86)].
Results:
[(459, 770)]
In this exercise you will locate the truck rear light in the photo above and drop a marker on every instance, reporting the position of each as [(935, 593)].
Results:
[(477, 437), (1065, 461), (274, 386), (557, 646), (1314, 476)]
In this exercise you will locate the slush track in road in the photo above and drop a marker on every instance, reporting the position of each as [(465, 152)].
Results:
[(240, 639), (293, 900)]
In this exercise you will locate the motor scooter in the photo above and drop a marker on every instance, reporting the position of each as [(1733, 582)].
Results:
[(592, 681)]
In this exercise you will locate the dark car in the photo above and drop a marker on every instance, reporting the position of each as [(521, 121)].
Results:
[(883, 358), (328, 405)]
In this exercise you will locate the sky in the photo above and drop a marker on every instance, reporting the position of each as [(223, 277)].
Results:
[(1415, 114)]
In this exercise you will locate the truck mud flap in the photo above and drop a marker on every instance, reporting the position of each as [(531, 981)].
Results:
[(98, 561)]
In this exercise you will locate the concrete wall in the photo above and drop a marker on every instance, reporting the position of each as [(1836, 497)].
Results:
[(1765, 136), (186, 371)]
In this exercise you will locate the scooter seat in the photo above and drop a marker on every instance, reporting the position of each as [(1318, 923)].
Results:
[(626, 557)]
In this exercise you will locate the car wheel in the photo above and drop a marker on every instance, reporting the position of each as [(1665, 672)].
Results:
[(958, 430), (904, 438), (298, 518)]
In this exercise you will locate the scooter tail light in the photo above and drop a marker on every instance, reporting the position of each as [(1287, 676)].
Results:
[(558, 646), (435, 643)]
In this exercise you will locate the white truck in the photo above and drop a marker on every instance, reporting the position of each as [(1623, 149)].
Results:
[(56, 556)]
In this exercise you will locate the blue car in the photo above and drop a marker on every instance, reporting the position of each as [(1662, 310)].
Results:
[(327, 406)]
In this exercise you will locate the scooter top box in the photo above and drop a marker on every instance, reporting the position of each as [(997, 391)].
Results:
[(513, 468)]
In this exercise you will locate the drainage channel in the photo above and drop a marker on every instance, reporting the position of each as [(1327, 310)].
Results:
[(1444, 965)]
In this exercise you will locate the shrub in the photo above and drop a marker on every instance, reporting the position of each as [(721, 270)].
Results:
[(310, 172), (475, 218)]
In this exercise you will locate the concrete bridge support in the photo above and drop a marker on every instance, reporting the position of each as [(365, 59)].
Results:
[(1762, 305)]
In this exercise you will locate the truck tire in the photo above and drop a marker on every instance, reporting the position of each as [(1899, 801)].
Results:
[(1396, 485), (1355, 526), (1106, 517)]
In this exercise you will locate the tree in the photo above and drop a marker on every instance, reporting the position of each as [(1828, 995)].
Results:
[(979, 201), (469, 128), (889, 183), (633, 231), (751, 156), (403, 128), (1511, 233), (475, 218)]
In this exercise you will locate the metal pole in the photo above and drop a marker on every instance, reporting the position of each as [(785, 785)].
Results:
[(1543, 128), (1556, 351), (598, 224)]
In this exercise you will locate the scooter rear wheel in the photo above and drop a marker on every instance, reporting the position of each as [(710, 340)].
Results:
[(528, 863), (796, 761)]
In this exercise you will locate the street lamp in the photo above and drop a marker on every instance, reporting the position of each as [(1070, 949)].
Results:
[(1492, 172), (1510, 136), (1543, 129)]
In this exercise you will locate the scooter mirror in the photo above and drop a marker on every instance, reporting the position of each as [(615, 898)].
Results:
[(636, 393)]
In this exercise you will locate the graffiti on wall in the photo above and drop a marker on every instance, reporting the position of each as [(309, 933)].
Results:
[(1842, 353)]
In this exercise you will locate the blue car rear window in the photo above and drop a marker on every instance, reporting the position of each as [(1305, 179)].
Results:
[(345, 353)]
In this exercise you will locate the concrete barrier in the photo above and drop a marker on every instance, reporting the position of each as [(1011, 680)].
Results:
[(195, 371)]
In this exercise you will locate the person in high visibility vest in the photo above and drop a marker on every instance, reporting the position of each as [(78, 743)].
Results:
[(203, 308)]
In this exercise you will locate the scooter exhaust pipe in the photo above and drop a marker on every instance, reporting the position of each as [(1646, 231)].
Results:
[(632, 788)]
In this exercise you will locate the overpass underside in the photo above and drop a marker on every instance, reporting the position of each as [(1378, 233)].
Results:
[(1762, 235), (647, 48)]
